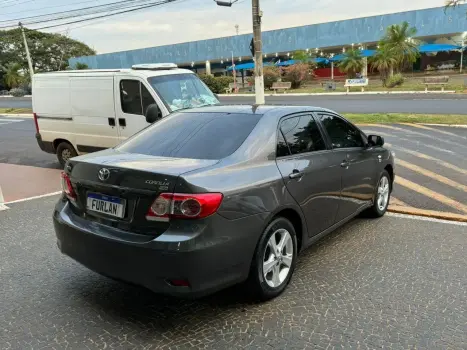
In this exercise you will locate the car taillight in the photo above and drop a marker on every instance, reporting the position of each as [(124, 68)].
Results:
[(36, 123), (184, 206), (67, 187)]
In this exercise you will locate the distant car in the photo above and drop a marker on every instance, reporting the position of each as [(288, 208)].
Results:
[(214, 196)]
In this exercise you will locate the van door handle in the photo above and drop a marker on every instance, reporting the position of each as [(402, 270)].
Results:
[(295, 174), (112, 121), (122, 122)]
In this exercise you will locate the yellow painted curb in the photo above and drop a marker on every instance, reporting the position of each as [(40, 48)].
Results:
[(427, 213)]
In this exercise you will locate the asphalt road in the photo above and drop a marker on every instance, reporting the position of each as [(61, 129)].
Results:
[(394, 283), (431, 161), (408, 103)]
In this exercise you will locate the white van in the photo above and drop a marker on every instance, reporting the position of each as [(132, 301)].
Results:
[(83, 111)]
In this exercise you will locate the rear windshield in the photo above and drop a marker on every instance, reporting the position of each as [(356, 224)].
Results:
[(193, 135)]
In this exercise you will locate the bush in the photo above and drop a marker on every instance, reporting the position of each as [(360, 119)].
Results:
[(297, 73), (271, 75), (17, 92), (216, 84), (395, 80)]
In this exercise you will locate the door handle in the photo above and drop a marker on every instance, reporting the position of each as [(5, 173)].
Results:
[(345, 164), (295, 174), (122, 122), (111, 121)]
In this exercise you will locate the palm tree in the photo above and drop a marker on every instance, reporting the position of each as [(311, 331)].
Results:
[(399, 41), (12, 77), (383, 61), (352, 63)]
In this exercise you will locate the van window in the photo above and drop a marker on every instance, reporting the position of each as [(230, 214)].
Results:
[(193, 135), (134, 96)]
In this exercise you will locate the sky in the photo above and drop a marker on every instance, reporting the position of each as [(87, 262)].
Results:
[(189, 20)]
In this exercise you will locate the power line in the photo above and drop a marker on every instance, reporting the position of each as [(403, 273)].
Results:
[(162, 2), (76, 12), (47, 7)]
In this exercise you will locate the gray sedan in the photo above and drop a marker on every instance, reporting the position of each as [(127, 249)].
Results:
[(211, 197)]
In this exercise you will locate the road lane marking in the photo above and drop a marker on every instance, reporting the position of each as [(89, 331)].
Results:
[(419, 134), (420, 126), (427, 157), (431, 174), (418, 143), (426, 218), (431, 194), (2, 201), (35, 197)]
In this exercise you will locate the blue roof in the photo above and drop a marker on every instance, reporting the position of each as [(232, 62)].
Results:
[(438, 47), (429, 22)]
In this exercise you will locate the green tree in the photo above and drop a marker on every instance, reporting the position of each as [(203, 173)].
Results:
[(49, 52), (11, 77), (383, 61), (399, 41), (301, 56), (352, 63), (453, 3), (81, 66)]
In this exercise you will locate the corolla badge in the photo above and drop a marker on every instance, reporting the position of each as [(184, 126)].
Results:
[(103, 174)]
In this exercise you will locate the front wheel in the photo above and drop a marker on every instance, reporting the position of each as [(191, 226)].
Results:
[(274, 260), (382, 196)]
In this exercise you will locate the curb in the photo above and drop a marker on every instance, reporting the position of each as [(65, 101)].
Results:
[(343, 93), (449, 125), (428, 213), (25, 115)]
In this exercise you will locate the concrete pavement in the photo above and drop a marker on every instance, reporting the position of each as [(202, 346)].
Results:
[(394, 283), (397, 103)]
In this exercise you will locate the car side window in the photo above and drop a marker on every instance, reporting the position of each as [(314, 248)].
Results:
[(135, 97), (342, 133), (301, 135), (130, 97)]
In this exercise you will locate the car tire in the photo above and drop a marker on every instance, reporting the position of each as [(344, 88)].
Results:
[(64, 152), (382, 197), (265, 286)]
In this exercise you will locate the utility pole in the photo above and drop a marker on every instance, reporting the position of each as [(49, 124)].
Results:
[(464, 35), (236, 28), (31, 70), (258, 45)]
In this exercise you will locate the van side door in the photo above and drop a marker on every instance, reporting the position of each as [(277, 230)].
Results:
[(132, 98)]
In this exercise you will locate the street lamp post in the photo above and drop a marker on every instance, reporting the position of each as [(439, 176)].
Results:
[(464, 35), (258, 46)]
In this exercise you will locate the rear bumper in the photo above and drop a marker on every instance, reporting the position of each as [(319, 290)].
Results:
[(208, 258), (46, 146)]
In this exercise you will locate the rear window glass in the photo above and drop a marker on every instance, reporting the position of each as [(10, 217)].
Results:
[(193, 135)]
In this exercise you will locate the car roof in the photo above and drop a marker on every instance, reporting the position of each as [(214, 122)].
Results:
[(255, 109)]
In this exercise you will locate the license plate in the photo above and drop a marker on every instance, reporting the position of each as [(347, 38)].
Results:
[(108, 205)]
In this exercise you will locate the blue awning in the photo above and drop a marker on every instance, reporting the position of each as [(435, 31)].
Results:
[(248, 65), (438, 47), (286, 63), (363, 53)]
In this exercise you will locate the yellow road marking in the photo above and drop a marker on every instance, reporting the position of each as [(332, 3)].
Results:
[(415, 133), (425, 156), (420, 126), (431, 194), (398, 202), (428, 213), (431, 174)]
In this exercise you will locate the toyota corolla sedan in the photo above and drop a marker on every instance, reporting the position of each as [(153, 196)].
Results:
[(204, 199)]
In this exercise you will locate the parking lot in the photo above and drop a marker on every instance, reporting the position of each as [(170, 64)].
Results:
[(396, 283)]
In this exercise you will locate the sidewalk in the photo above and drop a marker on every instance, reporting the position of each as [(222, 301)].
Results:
[(342, 93)]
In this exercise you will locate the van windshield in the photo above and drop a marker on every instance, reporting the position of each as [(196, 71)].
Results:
[(182, 91)]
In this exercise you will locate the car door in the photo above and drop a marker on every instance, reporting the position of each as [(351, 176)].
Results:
[(133, 98), (310, 170), (358, 164)]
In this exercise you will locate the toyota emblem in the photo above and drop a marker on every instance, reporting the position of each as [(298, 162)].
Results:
[(103, 174)]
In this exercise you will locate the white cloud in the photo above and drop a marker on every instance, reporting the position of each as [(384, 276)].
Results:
[(201, 19)]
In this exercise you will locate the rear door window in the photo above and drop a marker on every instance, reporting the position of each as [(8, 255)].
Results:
[(193, 135), (301, 135)]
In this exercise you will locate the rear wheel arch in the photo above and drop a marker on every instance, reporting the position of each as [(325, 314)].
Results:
[(296, 220)]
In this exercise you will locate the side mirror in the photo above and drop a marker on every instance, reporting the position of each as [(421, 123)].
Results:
[(153, 113), (375, 140)]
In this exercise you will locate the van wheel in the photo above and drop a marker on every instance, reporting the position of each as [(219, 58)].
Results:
[(65, 151), (274, 260)]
